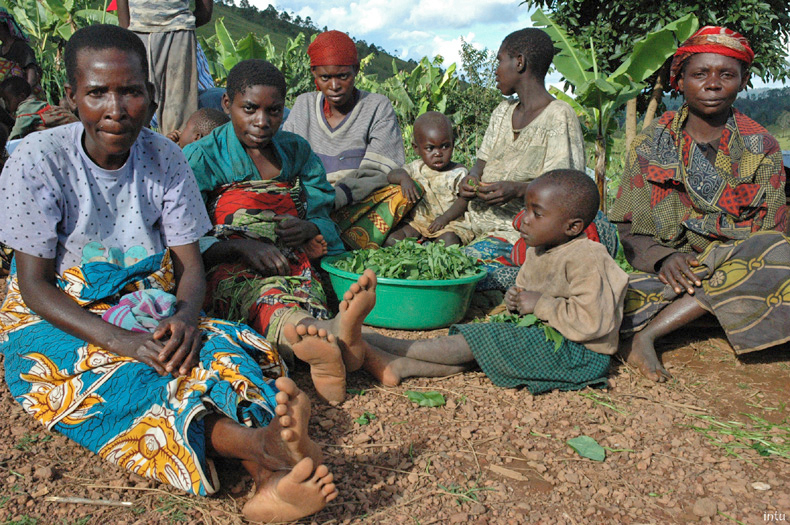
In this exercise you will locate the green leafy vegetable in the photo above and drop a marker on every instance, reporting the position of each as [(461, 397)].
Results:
[(365, 418), (426, 399), (526, 321), (587, 447), (409, 260)]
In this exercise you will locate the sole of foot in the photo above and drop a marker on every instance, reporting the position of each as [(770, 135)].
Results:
[(288, 496), (292, 417), (319, 349), (642, 356), (316, 247), (357, 303)]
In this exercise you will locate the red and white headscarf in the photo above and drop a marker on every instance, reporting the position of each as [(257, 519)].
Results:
[(711, 39)]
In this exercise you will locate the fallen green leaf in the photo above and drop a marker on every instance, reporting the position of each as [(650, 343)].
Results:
[(587, 447), (426, 399), (365, 418)]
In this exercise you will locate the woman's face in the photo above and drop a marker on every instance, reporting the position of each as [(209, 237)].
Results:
[(507, 72), (112, 96), (710, 83), (256, 114), (336, 83)]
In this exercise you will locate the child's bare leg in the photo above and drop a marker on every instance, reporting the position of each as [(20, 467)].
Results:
[(282, 446), (448, 350), (449, 238), (319, 349), (357, 303), (641, 352), (391, 369), (401, 232), (316, 247)]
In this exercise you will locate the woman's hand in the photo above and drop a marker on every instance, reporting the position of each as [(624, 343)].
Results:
[(295, 232), (521, 301), (676, 271), (181, 351), (261, 257), (497, 193), (469, 186), (140, 346)]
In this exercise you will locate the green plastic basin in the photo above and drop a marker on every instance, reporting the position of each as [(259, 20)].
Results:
[(410, 304)]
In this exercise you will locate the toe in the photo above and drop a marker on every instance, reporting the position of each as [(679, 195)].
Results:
[(320, 472), (312, 330), (301, 329), (291, 333), (302, 470), (287, 385), (326, 490)]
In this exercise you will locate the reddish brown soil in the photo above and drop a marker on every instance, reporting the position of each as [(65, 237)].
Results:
[(489, 456)]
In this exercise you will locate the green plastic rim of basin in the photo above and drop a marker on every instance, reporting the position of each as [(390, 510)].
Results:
[(405, 304)]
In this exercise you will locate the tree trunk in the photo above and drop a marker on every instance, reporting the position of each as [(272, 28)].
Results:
[(600, 169), (657, 94), (630, 122)]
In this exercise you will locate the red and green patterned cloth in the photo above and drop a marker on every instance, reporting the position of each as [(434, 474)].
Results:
[(246, 210)]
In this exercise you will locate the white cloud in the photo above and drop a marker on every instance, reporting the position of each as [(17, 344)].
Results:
[(416, 28)]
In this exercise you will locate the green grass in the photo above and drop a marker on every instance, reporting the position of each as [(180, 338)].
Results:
[(767, 439)]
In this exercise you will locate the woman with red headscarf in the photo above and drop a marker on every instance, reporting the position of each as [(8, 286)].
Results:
[(701, 210), (357, 137)]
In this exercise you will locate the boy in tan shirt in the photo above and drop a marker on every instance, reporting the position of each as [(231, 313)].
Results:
[(568, 282)]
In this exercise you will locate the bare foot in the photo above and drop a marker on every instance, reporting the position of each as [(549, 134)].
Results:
[(319, 349), (316, 247), (286, 436), (282, 496), (357, 303), (383, 366), (640, 353)]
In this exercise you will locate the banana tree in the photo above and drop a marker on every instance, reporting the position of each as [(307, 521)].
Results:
[(49, 24), (223, 53), (598, 94)]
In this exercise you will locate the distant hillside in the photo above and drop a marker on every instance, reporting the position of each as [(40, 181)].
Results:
[(767, 106), (280, 26)]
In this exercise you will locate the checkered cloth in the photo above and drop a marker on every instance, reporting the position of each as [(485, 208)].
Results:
[(513, 356)]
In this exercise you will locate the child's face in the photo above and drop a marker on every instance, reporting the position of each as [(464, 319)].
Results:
[(256, 114), (188, 135), (507, 72), (434, 145), (112, 97), (546, 222), (11, 101)]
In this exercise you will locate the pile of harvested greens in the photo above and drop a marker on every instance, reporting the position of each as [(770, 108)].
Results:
[(409, 260)]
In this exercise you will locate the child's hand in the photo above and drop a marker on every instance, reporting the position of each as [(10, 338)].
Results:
[(181, 350), (521, 301), (409, 189), (438, 224), (174, 135)]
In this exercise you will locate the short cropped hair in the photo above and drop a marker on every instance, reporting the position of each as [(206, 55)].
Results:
[(536, 47), (98, 38), (433, 119), (579, 193), (254, 72), (16, 86), (206, 119)]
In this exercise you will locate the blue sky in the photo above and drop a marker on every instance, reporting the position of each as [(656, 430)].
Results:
[(418, 28)]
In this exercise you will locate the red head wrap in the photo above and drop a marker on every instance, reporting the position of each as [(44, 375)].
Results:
[(711, 39), (333, 48)]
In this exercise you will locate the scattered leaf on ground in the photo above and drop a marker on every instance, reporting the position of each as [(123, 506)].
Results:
[(426, 399), (587, 447)]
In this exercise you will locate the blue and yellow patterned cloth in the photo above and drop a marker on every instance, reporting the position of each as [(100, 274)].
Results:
[(120, 408)]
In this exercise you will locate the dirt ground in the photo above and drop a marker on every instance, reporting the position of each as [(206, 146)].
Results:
[(687, 451)]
